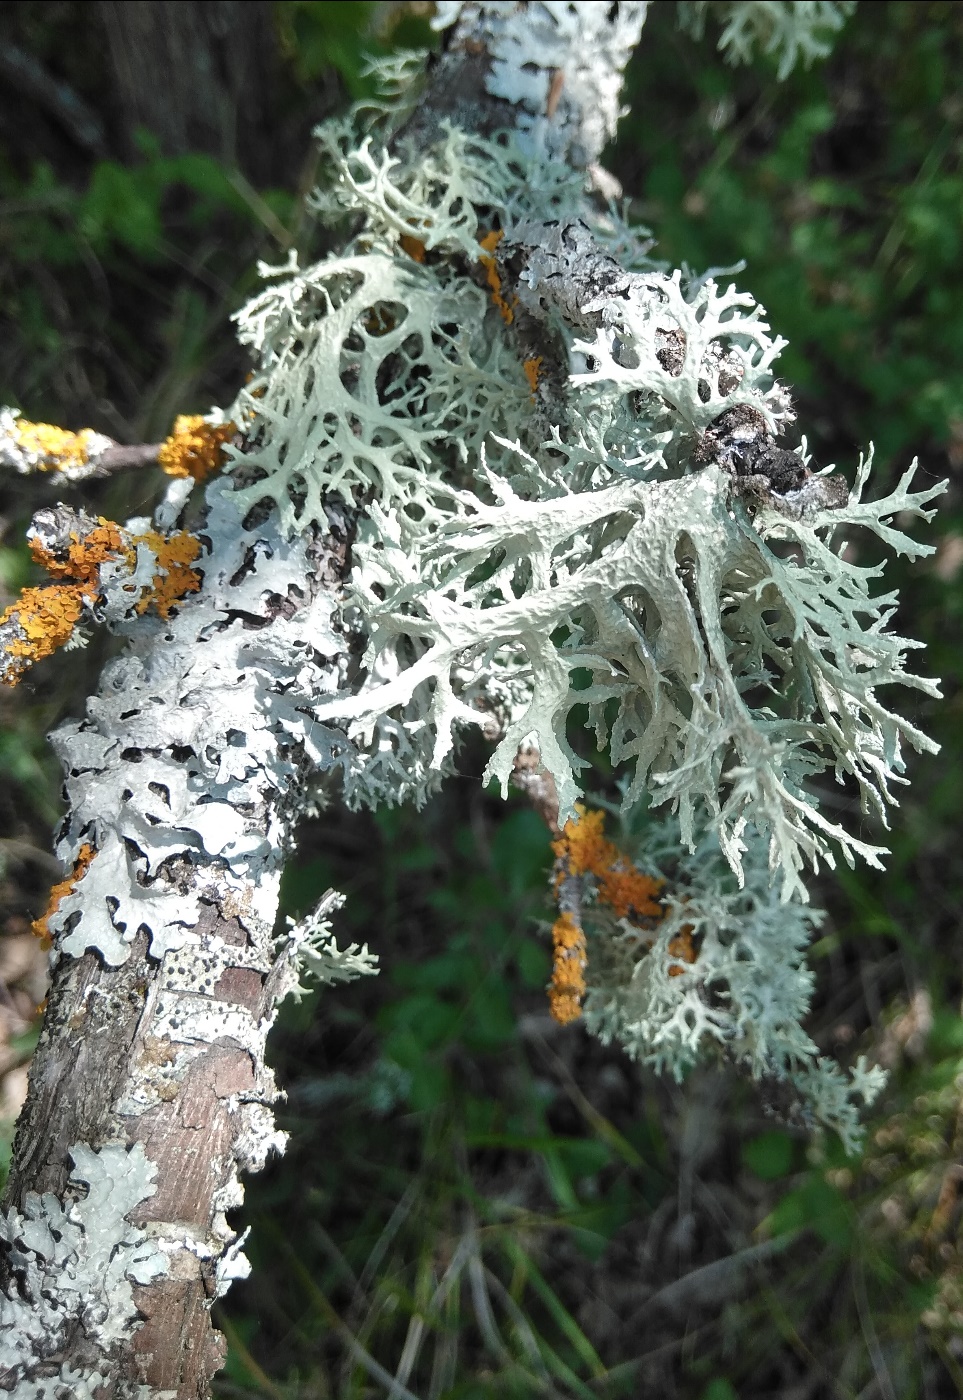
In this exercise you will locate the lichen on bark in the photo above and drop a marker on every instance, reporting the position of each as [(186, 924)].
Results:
[(487, 447)]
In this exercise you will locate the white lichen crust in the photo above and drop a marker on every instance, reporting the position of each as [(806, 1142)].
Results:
[(73, 1263), (186, 758), (184, 781), (560, 70)]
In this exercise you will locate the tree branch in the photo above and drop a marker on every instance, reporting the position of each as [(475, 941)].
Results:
[(185, 783)]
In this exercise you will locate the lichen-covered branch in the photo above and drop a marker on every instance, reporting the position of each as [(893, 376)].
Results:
[(149, 1093), (104, 572), (183, 784), (192, 449), (492, 465)]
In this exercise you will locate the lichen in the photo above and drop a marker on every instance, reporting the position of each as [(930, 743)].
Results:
[(506, 308), (565, 491), (195, 447), (42, 447), (588, 45), (73, 1263), (722, 973), (115, 574), (60, 890), (567, 987), (794, 31), (590, 869), (198, 729), (582, 851), (312, 950), (32, 628), (81, 555), (722, 674), (174, 577), (640, 535)]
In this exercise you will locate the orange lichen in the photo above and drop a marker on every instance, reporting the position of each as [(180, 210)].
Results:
[(567, 987), (582, 849), (413, 247), (582, 852), (57, 448), (490, 242), (84, 555), (682, 946), (40, 927), (44, 618), (175, 554), (195, 447), (532, 368)]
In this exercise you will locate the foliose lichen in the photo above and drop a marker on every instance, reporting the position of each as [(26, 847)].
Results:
[(73, 1263)]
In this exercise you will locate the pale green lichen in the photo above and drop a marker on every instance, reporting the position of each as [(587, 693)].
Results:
[(740, 993), (313, 950), (531, 551), (794, 31), (72, 1267), (720, 670), (727, 653)]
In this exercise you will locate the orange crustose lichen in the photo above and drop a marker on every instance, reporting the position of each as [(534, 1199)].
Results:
[(84, 555), (175, 554), (567, 987), (195, 447), (490, 242), (682, 946), (582, 852), (40, 926), (531, 368), (45, 618), (582, 849), (57, 448)]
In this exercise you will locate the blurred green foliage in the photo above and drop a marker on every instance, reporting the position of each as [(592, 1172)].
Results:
[(475, 1203)]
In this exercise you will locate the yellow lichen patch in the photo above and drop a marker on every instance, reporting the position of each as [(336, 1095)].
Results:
[(489, 243), (582, 849), (682, 946), (195, 447), (532, 368), (175, 554), (567, 987), (55, 448), (40, 926), (413, 247), (44, 619), (84, 555), (582, 852)]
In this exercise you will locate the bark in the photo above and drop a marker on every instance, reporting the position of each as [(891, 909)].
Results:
[(149, 1092)]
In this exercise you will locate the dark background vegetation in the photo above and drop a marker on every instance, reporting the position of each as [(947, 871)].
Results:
[(474, 1202)]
